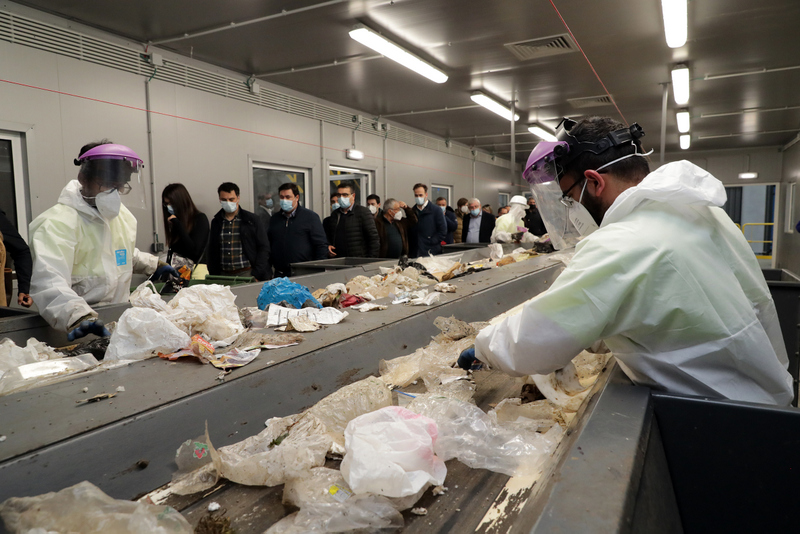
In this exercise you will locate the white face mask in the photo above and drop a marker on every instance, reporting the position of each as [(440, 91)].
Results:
[(580, 217), (229, 207), (419, 200), (399, 215), (373, 209), (344, 202), (108, 203), (464, 209)]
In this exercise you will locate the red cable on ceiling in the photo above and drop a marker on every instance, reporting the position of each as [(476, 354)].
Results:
[(589, 62)]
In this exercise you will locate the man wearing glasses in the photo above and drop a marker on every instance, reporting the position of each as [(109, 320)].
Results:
[(662, 275), (84, 247)]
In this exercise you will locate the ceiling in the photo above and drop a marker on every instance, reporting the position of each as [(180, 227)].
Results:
[(623, 40)]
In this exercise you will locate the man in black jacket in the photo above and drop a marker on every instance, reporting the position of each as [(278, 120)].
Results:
[(533, 220), (18, 250), (295, 233), (351, 230), (238, 243), (478, 224), (431, 226), (450, 219)]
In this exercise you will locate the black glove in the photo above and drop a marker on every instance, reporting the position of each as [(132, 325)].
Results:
[(467, 358), (165, 270), (90, 326)]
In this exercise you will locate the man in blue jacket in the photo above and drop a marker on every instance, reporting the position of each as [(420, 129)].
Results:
[(431, 226), (296, 233)]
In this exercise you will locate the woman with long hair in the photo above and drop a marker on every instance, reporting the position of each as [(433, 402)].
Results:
[(186, 227)]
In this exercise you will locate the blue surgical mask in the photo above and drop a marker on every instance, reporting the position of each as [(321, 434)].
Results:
[(334, 206), (170, 209), (269, 203), (344, 202), (419, 200), (475, 213), (229, 207), (444, 208), (286, 205)]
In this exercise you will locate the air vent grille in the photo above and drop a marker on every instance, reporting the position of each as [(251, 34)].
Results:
[(590, 101), (24, 31), (544, 47)]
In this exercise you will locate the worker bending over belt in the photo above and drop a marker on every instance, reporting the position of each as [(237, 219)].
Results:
[(667, 280), (83, 247)]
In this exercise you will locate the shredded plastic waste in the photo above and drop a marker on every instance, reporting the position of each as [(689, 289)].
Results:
[(85, 508), (359, 513), (33, 374), (143, 332), (390, 452)]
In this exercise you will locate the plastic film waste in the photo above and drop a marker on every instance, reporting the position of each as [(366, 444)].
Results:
[(142, 332), (86, 509), (390, 452)]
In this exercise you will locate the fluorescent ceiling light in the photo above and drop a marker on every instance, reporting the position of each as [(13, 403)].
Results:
[(686, 141), (680, 84), (385, 47), (537, 130), (493, 105), (748, 175), (676, 20), (352, 153), (683, 121)]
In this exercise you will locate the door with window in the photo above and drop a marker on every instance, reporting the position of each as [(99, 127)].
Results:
[(441, 191), (13, 200), (267, 178), (361, 181), (752, 208)]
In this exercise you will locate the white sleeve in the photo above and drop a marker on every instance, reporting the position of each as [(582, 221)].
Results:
[(144, 262)]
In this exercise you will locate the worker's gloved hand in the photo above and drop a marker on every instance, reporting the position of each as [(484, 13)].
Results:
[(467, 358), (165, 270), (89, 326)]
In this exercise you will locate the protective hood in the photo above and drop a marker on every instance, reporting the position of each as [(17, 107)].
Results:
[(71, 196), (681, 183)]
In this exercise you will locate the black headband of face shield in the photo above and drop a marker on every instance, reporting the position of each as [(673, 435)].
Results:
[(565, 155)]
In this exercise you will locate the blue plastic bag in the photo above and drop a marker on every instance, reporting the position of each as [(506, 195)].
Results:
[(279, 289)]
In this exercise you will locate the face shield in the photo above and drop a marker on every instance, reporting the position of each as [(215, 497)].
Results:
[(117, 167)]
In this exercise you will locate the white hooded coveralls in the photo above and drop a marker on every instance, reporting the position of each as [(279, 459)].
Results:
[(673, 288), (80, 258)]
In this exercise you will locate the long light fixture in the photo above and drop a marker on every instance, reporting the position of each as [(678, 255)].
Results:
[(385, 47), (493, 105), (748, 175), (683, 121), (680, 84), (537, 130), (676, 21), (686, 141)]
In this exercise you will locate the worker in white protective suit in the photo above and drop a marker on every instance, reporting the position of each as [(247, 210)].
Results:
[(666, 280), (511, 226), (83, 247)]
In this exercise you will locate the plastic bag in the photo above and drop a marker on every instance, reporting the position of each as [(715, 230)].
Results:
[(287, 448), (471, 436), (439, 265), (86, 509), (360, 513), (209, 310), (539, 416), (196, 471), (280, 289), (11, 355), (38, 373), (391, 452), (143, 332), (146, 296), (339, 408)]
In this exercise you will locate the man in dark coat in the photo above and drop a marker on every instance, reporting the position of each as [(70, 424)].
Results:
[(431, 226), (478, 224), (238, 243), (450, 219), (351, 230), (392, 226), (533, 220), (18, 249), (295, 233)]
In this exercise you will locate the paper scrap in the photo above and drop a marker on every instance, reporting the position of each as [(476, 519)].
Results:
[(234, 358), (425, 300), (279, 316), (302, 323), (368, 306), (445, 288)]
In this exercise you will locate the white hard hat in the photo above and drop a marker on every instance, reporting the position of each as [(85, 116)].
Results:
[(519, 199)]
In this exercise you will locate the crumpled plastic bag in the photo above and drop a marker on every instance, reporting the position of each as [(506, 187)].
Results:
[(439, 265), (86, 509), (142, 333), (360, 513), (280, 289), (146, 296), (12, 355), (539, 416), (196, 470), (496, 250), (474, 438), (209, 310), (38, 373), (390, 452), (287, 448), (339, 408)]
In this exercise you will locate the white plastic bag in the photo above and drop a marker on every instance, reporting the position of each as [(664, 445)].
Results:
[(474, 438), (209, 310), (390, 452), (12, 355), (86, 509), (141, 332), (37, 373), (360, 513), (146, 296)]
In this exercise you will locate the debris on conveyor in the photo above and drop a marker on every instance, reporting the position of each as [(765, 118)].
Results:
[(97, 398), (280, 290)]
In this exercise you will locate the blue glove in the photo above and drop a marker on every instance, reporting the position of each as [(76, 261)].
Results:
[(467, 358), (95, 327), (165, 269)]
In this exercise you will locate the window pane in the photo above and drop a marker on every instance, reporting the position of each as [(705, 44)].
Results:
[(7, 190), (359, 180), (265, 187), (440, 191)]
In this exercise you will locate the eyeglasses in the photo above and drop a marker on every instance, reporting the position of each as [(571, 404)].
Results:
[(123, 188), (565, 194)]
